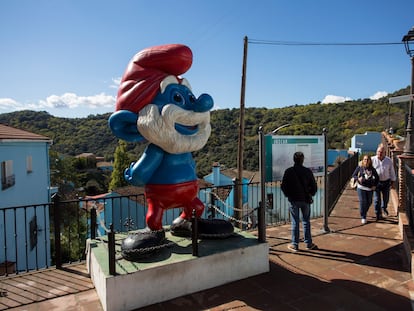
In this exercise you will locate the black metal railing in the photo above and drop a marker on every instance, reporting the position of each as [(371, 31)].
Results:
[(24, 248), (409, 197), (338, 179), (56, 232)]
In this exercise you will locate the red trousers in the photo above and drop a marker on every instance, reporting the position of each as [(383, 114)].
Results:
[(162, 197)]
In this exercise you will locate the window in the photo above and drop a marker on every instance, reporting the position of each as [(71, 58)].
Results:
[(7, 176), (29, 168)]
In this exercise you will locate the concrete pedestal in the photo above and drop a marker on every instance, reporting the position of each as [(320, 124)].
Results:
[(174, 272)]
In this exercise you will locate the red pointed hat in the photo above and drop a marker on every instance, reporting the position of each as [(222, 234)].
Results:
[(141, 80)]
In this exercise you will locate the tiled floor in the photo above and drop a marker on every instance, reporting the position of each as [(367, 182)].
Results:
[(357, 267)]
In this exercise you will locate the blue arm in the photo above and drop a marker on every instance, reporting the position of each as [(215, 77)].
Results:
[(123, 124), (140, 172)]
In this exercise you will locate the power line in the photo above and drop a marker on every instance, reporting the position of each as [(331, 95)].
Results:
[(269, 42)]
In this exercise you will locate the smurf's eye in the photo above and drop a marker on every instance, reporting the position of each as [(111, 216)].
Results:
[(178, 98), (192, 99)]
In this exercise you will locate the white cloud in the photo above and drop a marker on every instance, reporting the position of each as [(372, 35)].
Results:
[(334, 99), (8, 103), (379, 95), (66, 101), (71, 101), (115, 83)]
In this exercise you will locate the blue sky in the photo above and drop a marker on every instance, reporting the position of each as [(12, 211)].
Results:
[(66, 57)]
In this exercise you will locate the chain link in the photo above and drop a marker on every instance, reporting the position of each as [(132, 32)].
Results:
[(149, 249), (225, 204), (226, 215), (141, 251)]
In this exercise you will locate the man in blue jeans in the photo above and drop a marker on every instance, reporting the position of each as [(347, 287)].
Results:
[(299, 186), (387, 177)]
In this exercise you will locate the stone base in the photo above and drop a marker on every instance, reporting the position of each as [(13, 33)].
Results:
[(174, 272)]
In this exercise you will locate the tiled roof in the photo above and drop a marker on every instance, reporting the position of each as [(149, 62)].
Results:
[(11, 133)]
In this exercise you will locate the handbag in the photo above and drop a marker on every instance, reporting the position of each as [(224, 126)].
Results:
[(353, 183)]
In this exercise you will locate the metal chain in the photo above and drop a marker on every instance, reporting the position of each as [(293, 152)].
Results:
[(169, 244), (155, 247), (225, 204), (150, 249), (226, 215)]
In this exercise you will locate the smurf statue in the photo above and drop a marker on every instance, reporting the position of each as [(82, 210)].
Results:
[(156, 105)]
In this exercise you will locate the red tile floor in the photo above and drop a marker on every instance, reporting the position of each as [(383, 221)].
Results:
[(357, 267)]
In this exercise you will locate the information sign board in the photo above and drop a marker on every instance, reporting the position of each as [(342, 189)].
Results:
[(279, 152)]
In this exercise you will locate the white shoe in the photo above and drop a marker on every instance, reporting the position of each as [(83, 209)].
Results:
[(363, 221)]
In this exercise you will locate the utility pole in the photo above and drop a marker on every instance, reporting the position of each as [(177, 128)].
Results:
[(240, 148)]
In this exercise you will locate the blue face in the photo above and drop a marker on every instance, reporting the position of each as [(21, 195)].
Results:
[(182, 96)]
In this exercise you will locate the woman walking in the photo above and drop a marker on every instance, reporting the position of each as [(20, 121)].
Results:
[(368, 179)]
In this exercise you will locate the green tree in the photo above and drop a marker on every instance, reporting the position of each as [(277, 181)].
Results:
[(121, 162)]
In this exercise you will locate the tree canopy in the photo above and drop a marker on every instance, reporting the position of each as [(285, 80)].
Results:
[(73, 136)]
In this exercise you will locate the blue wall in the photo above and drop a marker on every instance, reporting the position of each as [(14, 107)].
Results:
[(365, 143), (30, 188)]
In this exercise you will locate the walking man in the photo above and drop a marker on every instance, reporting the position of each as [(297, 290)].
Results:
[(299, 186), (386, 172)]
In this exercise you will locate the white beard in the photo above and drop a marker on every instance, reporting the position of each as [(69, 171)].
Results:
[(159, 128)]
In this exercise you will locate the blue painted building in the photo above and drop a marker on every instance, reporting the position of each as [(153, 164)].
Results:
[(25, 181), (365, 143)]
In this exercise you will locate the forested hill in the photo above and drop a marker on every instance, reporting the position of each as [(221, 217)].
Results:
[(72, 136)]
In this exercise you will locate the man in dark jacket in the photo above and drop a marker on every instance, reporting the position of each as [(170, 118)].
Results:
[(299, 186)]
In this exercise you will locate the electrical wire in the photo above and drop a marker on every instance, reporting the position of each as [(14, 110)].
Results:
[(269, 42)]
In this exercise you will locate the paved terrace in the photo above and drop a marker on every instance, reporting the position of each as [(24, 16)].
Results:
[(357, 267)]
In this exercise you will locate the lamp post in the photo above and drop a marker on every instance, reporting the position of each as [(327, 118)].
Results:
[(408, 40), (279, 128)]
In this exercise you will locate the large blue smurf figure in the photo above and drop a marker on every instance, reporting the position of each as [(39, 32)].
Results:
[(156, 105)]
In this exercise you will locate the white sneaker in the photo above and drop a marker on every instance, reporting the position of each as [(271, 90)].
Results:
[(363, 221)]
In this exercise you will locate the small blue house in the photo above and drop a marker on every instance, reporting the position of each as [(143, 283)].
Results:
[(365, 143), (25, 181)]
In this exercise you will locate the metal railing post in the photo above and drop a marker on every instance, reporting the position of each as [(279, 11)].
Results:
[(93, 223), (326, 186), (111, 249), (261, 215), (56, 224), (212, 204), (194, 233)]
